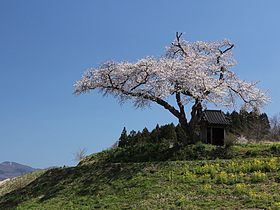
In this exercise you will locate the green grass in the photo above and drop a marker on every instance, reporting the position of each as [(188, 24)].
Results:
[(249, 180), (19, 182), (199, 151)]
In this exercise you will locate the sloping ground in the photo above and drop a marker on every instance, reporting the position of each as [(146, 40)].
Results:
[(10, 185), (244, 183)]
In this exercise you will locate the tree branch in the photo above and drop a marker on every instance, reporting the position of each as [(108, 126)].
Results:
[(196, 108), (167, 106), (178, 44), (218, 60), (142, 82), (158, 100), (180, 104), (240, 95)]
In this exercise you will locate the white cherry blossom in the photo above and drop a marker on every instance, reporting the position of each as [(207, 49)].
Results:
[(197, 72)]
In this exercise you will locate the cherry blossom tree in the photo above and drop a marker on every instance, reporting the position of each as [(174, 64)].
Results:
[(195, 74)]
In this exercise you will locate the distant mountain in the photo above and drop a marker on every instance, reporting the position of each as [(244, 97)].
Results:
[(12, 169)]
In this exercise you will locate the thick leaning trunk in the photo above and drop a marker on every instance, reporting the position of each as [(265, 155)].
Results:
[(195, 119), (183, 119), (189, 128), (186, 127)]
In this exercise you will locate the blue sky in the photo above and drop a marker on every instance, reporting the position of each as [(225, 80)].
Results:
[(45, 46)]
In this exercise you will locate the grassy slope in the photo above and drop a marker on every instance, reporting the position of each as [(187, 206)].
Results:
[(251, 182), (19, 182)]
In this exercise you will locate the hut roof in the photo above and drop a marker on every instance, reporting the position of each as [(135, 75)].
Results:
[(215, 117)]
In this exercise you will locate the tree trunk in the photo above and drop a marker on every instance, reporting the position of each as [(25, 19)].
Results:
[(194, 122), (190, 128), (185, 126)]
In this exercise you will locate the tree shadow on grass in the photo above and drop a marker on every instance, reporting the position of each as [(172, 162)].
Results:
[(79, 181)]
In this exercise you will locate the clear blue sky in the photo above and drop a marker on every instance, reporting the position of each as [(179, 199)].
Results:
[(46, 45)]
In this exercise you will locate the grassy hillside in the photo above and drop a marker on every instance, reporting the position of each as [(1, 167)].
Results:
[(19, 182), (250, 179)]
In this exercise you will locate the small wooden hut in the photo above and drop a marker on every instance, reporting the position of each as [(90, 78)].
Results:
[(213, 125)]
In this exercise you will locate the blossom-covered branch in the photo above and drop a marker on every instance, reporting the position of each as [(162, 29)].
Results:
[(197, 72)]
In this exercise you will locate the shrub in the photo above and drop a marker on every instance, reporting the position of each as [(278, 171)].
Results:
[(200, 151), (272, 165), (206, 189), (230, 140), (194, 152), (252, 165), (251, 153), (258, 176), (277, 177), (205, 178), (241, 177), (233, 178), (256, 165), (275, 148), (222, 177), (277, 205), (232, 166), (189, 177), (259, 196), (222, 152), (170, 176), (241, 188), (210, 169)]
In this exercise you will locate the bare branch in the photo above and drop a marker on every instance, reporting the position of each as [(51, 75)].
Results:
[(178, 44)]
